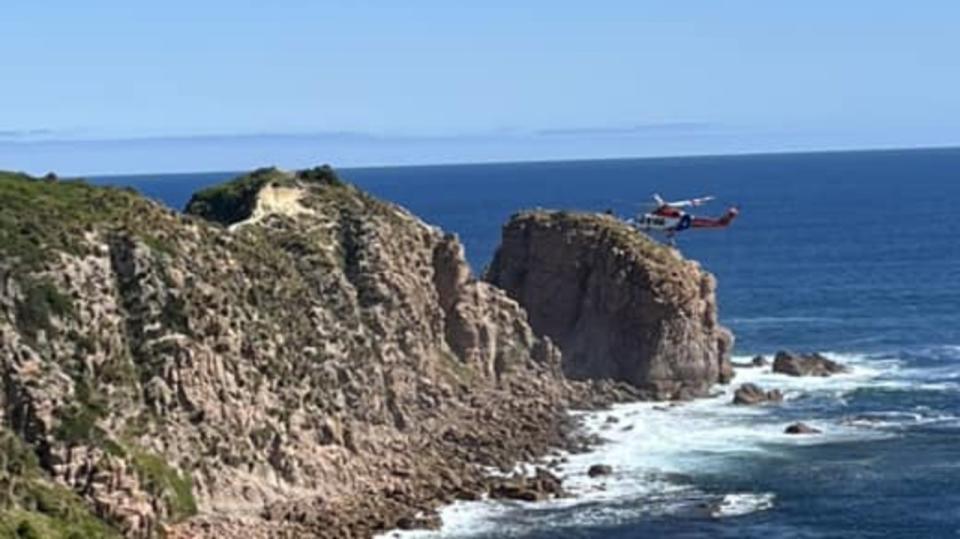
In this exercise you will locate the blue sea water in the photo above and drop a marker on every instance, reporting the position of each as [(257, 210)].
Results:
[(855, 253)]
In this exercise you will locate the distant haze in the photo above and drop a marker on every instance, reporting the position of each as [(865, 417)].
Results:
[(120, 87)]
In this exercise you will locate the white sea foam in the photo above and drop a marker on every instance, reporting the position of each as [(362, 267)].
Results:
[(656, 448), (735, 505)]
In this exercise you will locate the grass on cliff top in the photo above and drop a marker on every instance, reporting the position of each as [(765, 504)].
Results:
[(31, 505), (604, 226), (40, 215), (236, 199)]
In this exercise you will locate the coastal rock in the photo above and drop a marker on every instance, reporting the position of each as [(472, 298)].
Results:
[(542, 486), (619, 305), (805, 365), (749, 394), (292, 357), (598, 470), (801, 428)]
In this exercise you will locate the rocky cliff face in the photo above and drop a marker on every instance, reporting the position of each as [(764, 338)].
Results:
[(618, 304), (290, 356)]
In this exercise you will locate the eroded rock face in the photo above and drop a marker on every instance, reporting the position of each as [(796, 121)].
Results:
[(805, 365), (314, 360), (619, 305)]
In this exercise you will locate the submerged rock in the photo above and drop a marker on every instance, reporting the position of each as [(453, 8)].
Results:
[(753, 394), (801, 428), (598, 470), (805, 365), (619, 305)]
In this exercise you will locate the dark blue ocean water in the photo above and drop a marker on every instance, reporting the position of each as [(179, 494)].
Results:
[(854, 253)]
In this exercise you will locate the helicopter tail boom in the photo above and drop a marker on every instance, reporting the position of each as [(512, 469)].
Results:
[(725, 220)]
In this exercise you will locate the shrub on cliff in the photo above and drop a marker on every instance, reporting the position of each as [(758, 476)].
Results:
[(323, 175), (235, 200)]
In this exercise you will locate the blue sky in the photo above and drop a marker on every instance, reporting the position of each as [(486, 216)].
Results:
[(111, 86)]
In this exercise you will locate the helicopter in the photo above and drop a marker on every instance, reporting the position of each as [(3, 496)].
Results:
[(671, 217)]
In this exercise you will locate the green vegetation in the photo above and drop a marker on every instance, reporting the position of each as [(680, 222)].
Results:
[(32, 506), (162, 480), (41, 300), (235, 200), (159, 245), (324, 175), (456, 371), (38, 216), (78, 422), (605, 228)]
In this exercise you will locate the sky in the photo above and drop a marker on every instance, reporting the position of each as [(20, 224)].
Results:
[(109, 86)]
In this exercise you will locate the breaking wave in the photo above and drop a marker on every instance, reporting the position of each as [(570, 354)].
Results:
[(658, 450)]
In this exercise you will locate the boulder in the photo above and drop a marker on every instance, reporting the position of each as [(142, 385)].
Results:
[(542, 486), (754, 394), (805, 365), (801, 428), (598, 470)]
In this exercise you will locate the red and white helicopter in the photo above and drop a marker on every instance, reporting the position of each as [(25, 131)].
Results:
[(670, 218)]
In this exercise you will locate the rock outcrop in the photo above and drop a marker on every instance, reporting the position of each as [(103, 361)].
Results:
[(292, 356), (805, 365), (749, 394), (619, 305), (543, 485), (597, 470)]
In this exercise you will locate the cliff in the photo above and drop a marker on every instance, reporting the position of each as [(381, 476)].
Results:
[(618, 304), (293, 357), (289, 356)]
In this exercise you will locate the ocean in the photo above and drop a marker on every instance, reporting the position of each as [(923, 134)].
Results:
[(854, 254)]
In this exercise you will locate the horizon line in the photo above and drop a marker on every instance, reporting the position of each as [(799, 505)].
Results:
[(493, 162)]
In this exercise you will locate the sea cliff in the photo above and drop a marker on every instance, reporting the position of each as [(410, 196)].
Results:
[(620, 305)]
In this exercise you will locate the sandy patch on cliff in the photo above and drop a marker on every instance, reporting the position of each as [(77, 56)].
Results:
[(275, 200)]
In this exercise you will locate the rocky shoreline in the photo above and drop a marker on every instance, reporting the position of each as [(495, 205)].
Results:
[(547, 478), (447, 467)]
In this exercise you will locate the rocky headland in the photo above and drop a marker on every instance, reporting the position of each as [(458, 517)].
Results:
[(291, 356)]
